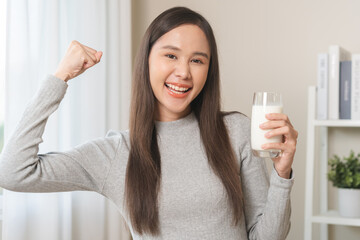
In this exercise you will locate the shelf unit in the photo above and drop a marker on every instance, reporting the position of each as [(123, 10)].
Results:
[(319, 128)]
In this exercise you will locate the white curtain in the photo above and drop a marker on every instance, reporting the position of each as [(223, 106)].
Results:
[(38, 34)]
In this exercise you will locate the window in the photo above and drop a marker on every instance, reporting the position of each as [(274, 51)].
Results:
[(2, 76)]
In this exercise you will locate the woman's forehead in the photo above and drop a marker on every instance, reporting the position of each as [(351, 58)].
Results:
[(186, 37)]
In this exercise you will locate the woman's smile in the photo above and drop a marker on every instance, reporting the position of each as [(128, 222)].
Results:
[(177, 90)]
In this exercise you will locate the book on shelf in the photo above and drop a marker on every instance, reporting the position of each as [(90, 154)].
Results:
[(322, 85), (336, 55), (345, 90), (355, 87)]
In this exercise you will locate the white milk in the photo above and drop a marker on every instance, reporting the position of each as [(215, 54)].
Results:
[(258, 117)]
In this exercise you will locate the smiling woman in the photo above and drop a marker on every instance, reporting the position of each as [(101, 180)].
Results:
[(184, 169)]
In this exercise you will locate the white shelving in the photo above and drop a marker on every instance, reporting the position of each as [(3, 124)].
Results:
[(333, 217), (337, 123), (318, 130)]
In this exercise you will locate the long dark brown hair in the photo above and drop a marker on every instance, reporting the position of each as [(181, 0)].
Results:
[(143, 175)]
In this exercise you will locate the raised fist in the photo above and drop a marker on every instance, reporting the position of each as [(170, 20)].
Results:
[(77, 59)]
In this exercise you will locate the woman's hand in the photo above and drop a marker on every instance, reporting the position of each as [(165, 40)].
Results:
[(281, 125), (77, 59)]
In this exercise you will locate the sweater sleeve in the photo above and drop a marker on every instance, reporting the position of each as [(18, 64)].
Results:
[(82, 168), (266, 199), (267, 205)]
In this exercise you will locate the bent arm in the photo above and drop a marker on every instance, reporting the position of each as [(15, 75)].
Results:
[(23, 169), (267, 203), (266, 200)]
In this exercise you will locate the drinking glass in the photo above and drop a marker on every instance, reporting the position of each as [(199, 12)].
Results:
[(263, 103)]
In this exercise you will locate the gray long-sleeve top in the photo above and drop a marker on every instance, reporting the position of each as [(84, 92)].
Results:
[(192, 200)]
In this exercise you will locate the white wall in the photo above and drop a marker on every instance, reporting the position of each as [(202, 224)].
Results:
[(272, 46)]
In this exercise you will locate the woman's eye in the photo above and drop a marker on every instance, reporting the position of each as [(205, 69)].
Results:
[(197, 61), (170, 56)]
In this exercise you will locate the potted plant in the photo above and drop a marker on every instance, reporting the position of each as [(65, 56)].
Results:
[(345, 175)]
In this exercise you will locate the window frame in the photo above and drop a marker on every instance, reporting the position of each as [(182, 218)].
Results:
[(3, 18)]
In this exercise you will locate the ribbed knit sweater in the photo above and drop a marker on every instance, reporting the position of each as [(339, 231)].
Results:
[(193, 202)]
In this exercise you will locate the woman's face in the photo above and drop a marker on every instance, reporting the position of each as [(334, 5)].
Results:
[(178, 67)]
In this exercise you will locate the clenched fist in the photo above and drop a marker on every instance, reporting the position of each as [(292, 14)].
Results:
[(77, 59)]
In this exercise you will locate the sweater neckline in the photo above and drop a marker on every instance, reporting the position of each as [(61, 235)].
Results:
[(179, 122)]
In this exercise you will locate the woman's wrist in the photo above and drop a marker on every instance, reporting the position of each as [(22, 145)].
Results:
[(284, 174), (62, 76)]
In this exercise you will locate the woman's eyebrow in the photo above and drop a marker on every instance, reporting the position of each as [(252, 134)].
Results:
[(178, 49), (202, 54), (171, 47)]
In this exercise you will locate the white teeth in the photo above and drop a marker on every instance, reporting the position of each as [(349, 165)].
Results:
[(173, 87), (175, 91)]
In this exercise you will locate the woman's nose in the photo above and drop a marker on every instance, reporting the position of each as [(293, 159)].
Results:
[(182, 70)]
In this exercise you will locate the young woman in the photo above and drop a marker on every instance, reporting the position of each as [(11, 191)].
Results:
[(185, 169)]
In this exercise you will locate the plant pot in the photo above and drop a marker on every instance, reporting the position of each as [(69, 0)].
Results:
[(349, 200)]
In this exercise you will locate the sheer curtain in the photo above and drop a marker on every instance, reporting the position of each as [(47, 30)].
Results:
[(38, 34)]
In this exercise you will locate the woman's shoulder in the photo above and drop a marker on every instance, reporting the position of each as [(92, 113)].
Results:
[(236, 119), (118, 136), (115, 133), (237, 124), (238, 128)]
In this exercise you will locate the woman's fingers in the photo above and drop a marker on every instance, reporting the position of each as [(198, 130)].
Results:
[(273, 124), (89, 49), (94, 59), (278, 117), (89, 61), (92, 53), (289, 144), (279, 125), (98, 55), (280, 146), (90, 57), (286, 131)]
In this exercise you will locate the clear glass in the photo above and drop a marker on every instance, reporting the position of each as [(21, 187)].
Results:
[(263, 103)]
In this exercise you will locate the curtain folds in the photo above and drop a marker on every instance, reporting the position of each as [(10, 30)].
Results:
[(38, 34)]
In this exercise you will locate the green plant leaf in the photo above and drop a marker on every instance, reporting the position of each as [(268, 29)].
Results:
[(345, 172)]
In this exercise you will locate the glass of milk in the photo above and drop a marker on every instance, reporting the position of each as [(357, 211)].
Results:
[(263, 103)]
